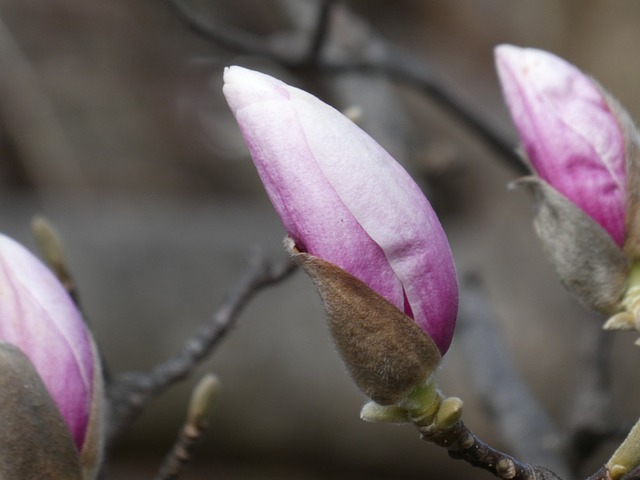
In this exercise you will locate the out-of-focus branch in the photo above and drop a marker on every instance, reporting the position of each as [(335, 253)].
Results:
[(290, 54), (404, 67), (321, 32), (227, 36), (27, 116), (131, 392), (522, 422), (518, 417), (372, 55), (590, 421)]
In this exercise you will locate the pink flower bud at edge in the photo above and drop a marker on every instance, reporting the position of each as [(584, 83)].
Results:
[(38, 317), (569, 132)]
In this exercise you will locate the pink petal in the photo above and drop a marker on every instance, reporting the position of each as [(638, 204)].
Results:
[(570, 135), (38, 316), (343, 198)]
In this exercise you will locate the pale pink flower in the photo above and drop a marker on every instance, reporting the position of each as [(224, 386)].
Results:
[(38, 317), (343, 198), (569, 133)]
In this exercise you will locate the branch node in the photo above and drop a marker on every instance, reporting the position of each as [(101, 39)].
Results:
[(506, 469)]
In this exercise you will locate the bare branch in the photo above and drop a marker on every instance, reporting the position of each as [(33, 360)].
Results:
[(404, 67), (519, 418), (228, 37), (285, 53), (462, 444), (321, 32), (204, 394), (376, 56), (30, 121), (523, 423), (132, 391), (438, 419), (604, 474)]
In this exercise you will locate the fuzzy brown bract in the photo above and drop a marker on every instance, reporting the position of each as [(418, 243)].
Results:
[(386, 353), (584, 256), (35, 443)]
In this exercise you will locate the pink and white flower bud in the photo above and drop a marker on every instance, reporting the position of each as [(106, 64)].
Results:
[(585, 150), (39, 318), (569, 132), (344, 199)]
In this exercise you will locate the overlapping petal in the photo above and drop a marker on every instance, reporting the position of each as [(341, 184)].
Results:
[(38, 316), (568, 131), (343, 198)]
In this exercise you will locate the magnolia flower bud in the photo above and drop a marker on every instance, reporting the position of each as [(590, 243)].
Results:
[(584, 149), (38, 317), (568, 131), (343, 199)]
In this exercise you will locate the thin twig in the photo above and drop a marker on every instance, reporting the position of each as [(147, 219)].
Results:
[(405, 67), (228, 37), (194, 427), (521, 421), (384, 58), (463, 444), (30, 121), (131, 391), (321, 32), (603, 474), (439, 421), (285, 53)]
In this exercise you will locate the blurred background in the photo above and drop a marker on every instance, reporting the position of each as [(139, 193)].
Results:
[(113, 124)]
